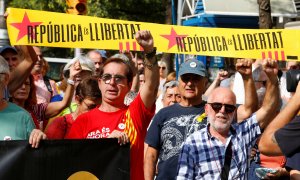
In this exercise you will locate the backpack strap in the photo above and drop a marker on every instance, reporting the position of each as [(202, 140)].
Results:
[(48, 85)]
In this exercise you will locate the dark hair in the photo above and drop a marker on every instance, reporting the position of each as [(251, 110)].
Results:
[(88, 88), (31, 100), (129, 74)]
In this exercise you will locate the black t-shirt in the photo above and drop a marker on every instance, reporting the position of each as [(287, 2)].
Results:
[(169, 129), (288, 139)]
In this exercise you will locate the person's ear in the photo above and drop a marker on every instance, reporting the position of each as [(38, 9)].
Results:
[(78, 99), (206, 108)]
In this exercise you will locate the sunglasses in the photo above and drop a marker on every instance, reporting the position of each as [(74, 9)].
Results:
[(163, 68), (190, 78), (118, 78), (295, 67), (218, 106)]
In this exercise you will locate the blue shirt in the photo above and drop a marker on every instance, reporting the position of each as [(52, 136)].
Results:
[(203, 156)]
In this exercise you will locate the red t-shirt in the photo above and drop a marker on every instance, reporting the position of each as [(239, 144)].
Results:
[(59, 127), (133, 120)]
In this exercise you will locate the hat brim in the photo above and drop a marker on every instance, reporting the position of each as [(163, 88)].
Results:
[(201, 73), (8, 49), (85, 68)]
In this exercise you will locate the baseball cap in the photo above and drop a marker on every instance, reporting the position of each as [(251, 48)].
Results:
[(102, 53), (86, 64), (192, 66), (7, 48)]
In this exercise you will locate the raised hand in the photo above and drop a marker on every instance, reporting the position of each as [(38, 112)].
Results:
[(75, 69), (244, 66), (271, 68), (145, 39), (222, 74)]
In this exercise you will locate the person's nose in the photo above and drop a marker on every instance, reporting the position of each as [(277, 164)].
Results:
[(39, 57), (23, 86), (189, 82), (112, 81), (222, 110), (173, 98), (97, 65)]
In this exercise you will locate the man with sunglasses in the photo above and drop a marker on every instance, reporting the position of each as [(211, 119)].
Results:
[(220, 151), (172, 125), (113, 119)]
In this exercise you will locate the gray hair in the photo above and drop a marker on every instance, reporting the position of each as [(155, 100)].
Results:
[(86, 64), (170, 84), (4, 68)]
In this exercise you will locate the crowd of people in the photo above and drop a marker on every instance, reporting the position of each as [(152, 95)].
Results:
[(242, 125)]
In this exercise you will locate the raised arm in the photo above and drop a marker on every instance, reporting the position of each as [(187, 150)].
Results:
[(54, 108), (268, 144), (244, 67), (149, 90), (136, 80), (271, 101), (22, 71), (216, 83)]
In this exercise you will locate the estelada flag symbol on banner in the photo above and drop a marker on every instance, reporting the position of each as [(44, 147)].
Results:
[(98, 159), (40, 28)]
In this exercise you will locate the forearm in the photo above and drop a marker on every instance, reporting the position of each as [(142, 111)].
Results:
[(251, 100), (135, 83), (55, 108), (151, 158), (149, 90), (270, 104), (214, 85), (23, 70), (268, 143)]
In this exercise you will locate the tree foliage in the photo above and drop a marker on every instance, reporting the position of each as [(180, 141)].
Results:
[(132, 10)]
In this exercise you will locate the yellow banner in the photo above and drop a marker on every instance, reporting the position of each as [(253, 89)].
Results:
[(40, 28)]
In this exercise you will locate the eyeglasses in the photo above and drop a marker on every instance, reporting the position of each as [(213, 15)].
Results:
[(118, 78), (163, 68), (218, 106), (90, 106)]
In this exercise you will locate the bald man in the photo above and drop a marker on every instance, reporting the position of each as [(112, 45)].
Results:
[(221, 149)]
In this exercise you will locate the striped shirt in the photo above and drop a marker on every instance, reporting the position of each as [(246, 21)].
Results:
[(203, 156)]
